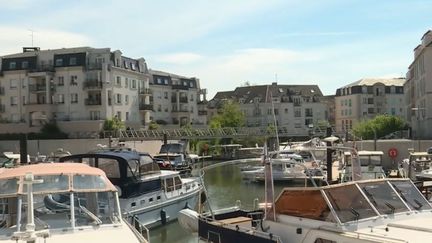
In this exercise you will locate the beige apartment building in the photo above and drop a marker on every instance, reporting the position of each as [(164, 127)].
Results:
[(297, 109), (175, 99), (77, 87), (366, 98), (418, 89)]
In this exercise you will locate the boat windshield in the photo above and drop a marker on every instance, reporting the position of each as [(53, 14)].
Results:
[(411, 195), (349, 203), (366, 160), (383, 197)]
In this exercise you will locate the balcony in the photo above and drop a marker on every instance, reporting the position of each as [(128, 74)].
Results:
[(37, 87), (146, 107), (2, 108), (93, 84), (145, 91), (93, 101), (2, 91)]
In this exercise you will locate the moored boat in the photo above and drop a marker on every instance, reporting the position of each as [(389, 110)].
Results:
[(62, 203)]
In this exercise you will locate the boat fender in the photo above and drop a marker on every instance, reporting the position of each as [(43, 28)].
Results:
[(163, 217)]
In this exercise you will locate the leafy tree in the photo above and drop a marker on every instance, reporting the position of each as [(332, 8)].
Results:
[(229, 115), (381, 124), (113, 124), (153, 126)]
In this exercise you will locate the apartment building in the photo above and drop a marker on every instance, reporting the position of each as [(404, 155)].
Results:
[(77, 87), (418, 89), (297, 109), (366, 98), (175, 99)]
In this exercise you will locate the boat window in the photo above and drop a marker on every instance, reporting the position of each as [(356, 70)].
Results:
[(110, 167), (304, 203), (278, 167), (349, 203), (147, 165), (134, 167), (81, 182), (177, 182), (383, 197), (8, 186), (411, 195), (169, 183), (50, 183), (150, 186), (366, 160)]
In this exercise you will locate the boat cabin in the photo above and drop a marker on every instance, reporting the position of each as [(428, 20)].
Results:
[(368, 165)]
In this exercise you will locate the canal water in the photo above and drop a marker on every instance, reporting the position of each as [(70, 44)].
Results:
[(225, 186)]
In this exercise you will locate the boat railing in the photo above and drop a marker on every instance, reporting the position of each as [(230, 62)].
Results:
[(138, 228)]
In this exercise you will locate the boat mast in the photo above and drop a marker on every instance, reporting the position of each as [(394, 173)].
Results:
[(269, 186)]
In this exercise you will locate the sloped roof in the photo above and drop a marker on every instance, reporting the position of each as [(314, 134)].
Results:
[(373, 81)]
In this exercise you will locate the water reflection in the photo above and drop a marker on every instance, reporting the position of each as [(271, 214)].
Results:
[(225, 186)]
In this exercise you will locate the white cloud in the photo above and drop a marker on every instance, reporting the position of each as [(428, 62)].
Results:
[(13, 38), (179, 58)]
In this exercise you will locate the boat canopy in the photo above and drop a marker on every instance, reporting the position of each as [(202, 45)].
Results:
[(352, 201), (56, 178)]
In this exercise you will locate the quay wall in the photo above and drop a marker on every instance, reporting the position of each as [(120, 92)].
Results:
[(403, 146), (75, 146)]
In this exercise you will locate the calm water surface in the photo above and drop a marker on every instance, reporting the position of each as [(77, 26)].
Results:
[(225, 186)]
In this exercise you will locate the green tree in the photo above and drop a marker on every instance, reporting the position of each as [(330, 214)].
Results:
[(381, 124), (229, 115), (113, 124)]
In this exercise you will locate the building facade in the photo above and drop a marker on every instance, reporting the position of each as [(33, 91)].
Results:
[(366, 98), (175, 99), (297, 109), (77, 87), (418, 89)]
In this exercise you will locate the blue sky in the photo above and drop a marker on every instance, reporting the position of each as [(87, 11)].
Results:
[(226, 43)]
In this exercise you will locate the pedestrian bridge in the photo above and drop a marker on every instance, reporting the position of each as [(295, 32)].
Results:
[(208, 133)]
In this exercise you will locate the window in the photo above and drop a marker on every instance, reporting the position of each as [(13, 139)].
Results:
[(12, 65), (276, 111), (126, 100), (286, 110), (308, 112), (297, 112), (74, 98), (166, 81), (13, 100), (118, 98), (118, 81), (159, 81), (127, 116), (110, 167), (94, 115), (159, 108), (13, 84), (126, 83), (191, 84), (119, 115), (192, 97), (60, 81), (72, 61), (134, 84), (166, 95), (60, 98), (133, 66), (24, 64), (24, 101), (73, 80), (59, 62)]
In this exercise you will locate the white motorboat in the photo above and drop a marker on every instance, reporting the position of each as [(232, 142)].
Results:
[(152, 195), (368, 165), (62, 203), (289, 167), (418, 166)]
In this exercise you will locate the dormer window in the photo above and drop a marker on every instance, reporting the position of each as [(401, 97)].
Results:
[(59, 62), (72, 61), (12, 65), (24, 64), (133, 66)]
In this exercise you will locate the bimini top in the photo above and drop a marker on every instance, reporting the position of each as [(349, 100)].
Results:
[(352, 201), (56, 177)]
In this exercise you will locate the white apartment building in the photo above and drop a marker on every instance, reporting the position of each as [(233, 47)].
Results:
[(77, 87), (297, 108), (175, 99), (418, 89), (366, 98)]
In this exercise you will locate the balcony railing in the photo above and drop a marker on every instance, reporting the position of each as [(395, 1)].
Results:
[(37, 87), (145, 91), (146, 107), (93, 84), (93, 101)]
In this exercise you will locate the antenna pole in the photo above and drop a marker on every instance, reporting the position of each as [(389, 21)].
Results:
[(32, 35)]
